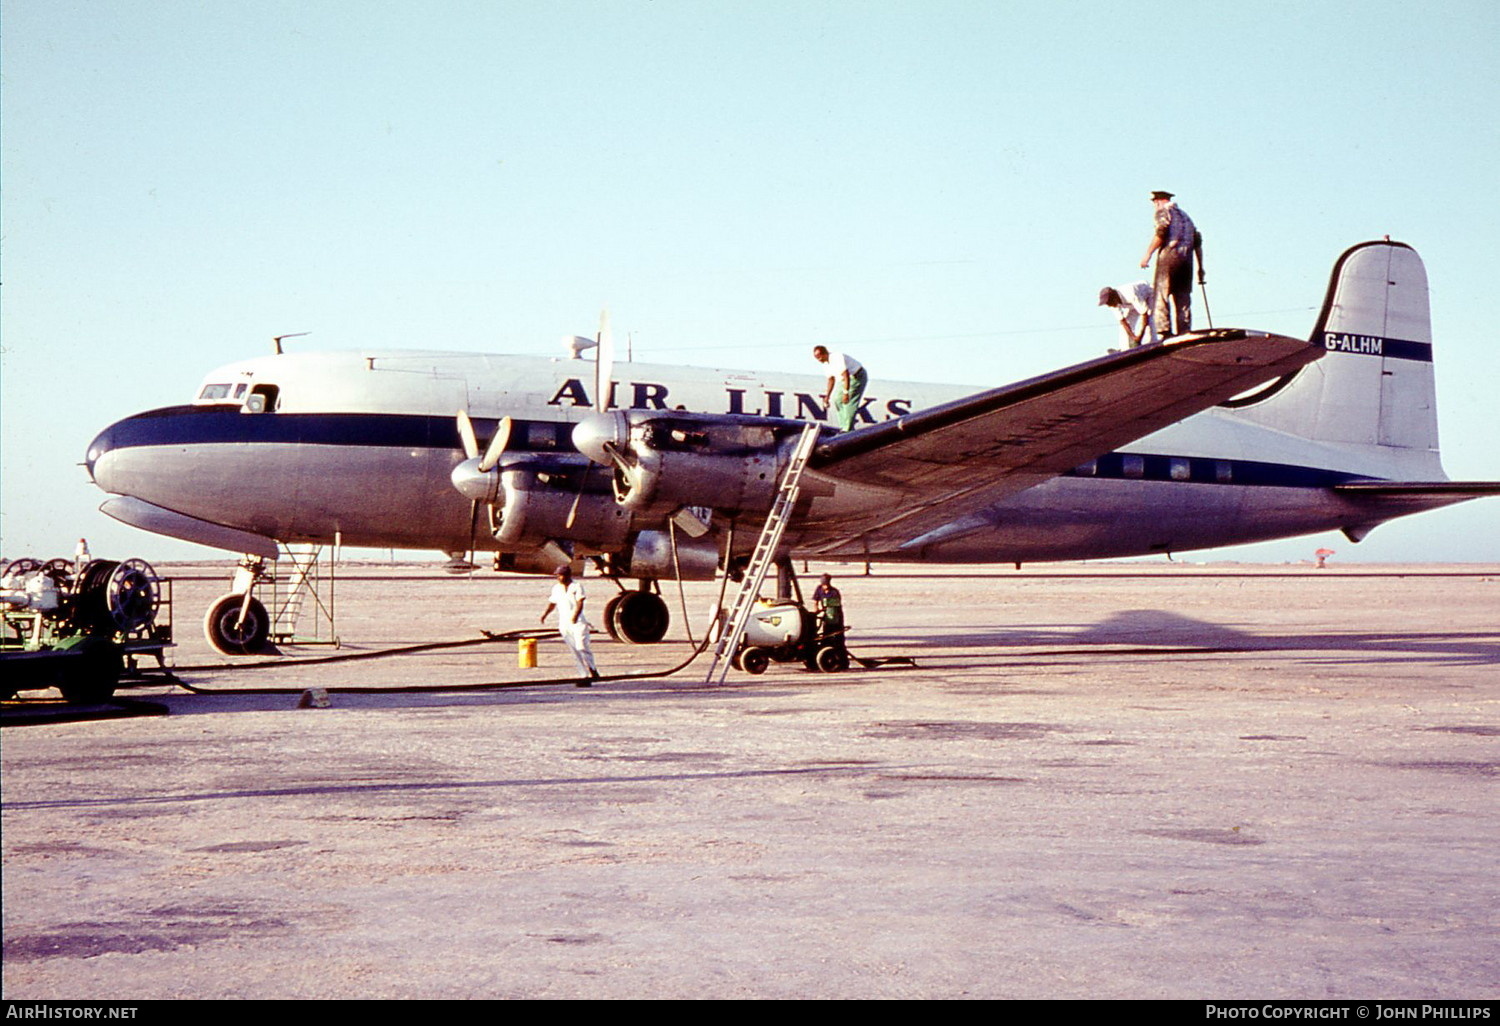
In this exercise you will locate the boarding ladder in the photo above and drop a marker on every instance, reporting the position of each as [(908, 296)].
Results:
[(288, 601), (763, 556)]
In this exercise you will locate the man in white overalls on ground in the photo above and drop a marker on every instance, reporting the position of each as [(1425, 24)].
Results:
[(567, 598)]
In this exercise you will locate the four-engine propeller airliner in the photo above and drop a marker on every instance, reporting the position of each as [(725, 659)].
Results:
[(1207, 439)]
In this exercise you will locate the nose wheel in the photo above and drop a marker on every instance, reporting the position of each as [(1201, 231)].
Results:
[(237, 627)]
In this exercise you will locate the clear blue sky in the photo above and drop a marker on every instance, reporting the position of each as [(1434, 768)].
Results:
[(941, 186)]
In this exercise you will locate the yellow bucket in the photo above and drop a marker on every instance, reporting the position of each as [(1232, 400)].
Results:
[(526, 653)]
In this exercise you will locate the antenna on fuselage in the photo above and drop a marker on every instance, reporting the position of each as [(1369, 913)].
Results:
[(276, 340), (577, 345)]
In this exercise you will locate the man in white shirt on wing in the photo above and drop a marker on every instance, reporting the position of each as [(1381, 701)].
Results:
[(847, 379), (1132, 305)]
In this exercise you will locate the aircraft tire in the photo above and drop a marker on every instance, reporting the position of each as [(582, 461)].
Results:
[(609, 615), (249, 638), (640, 618)]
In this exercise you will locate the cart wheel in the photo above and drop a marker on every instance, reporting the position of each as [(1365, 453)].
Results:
[(91, 676), (58, 569), (754, 661), (132, 596), (21, 567), (832, 660), (248, 638)]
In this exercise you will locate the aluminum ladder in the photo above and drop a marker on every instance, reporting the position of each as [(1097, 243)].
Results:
[(306, 580), (763, 556)]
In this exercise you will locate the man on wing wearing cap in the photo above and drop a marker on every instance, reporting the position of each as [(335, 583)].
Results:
[(1173, 244)]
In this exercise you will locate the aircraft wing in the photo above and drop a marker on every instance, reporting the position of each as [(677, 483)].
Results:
[(950, 460)]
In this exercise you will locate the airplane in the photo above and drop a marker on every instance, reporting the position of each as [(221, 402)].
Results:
[(1206, 439)]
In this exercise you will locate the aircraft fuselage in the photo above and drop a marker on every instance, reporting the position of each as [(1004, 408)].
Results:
[(360, 446)]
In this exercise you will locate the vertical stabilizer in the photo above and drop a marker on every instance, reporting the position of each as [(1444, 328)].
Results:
[(1374, 387)]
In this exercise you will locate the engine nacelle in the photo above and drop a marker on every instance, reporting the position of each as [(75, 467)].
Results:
[(652, 557), (663, 461), (535, 561), (544, 500)]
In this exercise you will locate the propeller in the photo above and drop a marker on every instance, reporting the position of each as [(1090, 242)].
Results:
[(466, 435), (473, 528), (469, 476), (604, 366), (496, 447), (492, 452)]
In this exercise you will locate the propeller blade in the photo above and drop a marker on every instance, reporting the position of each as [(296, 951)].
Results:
[(604, 364), (573, 512), (466, 435), (620, 457), (473, 527), (497, 446)]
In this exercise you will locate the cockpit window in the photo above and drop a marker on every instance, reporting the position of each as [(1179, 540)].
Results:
[(216, 391), (262, 399)]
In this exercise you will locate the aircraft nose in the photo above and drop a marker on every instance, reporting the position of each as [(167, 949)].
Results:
[(94, 460), (592, 433), (473, 483)]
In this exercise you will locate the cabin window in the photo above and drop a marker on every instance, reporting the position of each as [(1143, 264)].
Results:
[(1223, 471), (215, 391), (1133, 466), (1089, 469), (262, 399), (1180, 469), (239, 390)]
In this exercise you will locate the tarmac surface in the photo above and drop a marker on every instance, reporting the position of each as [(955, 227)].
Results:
[(1104, 781)]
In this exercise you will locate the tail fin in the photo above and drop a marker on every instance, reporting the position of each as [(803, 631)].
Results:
[(1373, 389)]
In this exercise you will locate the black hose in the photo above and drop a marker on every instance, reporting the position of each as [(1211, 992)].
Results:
[(424, 688)]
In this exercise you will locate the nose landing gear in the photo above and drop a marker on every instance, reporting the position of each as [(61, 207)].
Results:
[(237, 624)]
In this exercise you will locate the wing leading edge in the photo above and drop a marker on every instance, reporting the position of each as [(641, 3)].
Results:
[(949, 460)]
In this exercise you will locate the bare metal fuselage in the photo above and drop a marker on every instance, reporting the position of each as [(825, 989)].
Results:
[(360, 446)]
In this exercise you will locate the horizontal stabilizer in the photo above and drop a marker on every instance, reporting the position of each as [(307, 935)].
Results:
[(1402, 497), (1456, 489)]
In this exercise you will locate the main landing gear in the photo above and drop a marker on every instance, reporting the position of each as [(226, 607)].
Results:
[(637, 617)]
